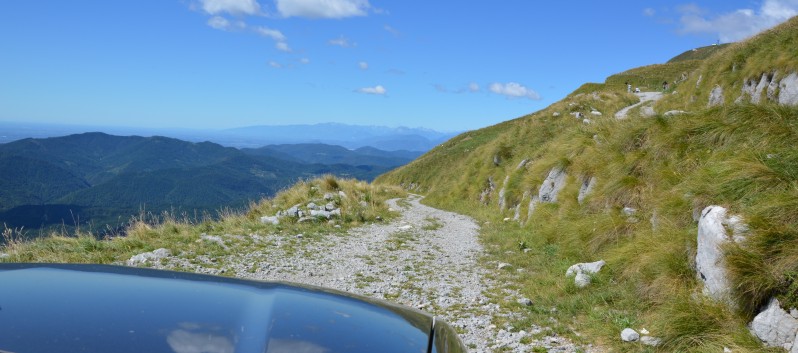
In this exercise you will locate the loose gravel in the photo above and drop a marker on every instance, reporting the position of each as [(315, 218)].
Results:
[(426, 258)]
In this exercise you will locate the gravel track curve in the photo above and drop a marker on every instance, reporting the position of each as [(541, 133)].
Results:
[(426, 258)]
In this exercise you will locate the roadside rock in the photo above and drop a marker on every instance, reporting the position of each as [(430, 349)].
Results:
[(582, 272), (152, 256)]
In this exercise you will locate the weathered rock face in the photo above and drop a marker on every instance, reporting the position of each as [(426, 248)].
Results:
[(709, 257), (502, 194), (776, 328), (554, 182), (716, 96), (775, 89), (587, 187), (788, 90)]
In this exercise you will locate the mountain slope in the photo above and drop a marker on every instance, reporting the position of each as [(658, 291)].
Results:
[(558, 188), (103, 180)]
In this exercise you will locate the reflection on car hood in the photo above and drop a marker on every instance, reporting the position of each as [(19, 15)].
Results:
[(97, 308)]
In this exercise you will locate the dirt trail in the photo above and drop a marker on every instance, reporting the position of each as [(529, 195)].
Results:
[(644, 97), (426, 258)]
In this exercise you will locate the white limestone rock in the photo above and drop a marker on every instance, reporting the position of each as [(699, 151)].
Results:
[(712, 236), (788, 90), (581, 280), (270, 220), (585, 267), (775, 327), (554, 182), (716, 96), (629, 335), (588, 184), (152, 256)]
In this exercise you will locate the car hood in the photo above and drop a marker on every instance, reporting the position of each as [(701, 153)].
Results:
[(98, 308)]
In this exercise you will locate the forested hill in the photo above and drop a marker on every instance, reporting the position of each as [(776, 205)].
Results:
[(102, 180)]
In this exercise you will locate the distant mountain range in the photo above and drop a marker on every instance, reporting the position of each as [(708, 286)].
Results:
[(349, 136), (101, 179)]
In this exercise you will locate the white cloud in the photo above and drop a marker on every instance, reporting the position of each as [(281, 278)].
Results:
[(323, 8), (275, 64), (235, 7), (473, 87), (649, 12), (271, 33), (304, 61), (739, 24), (341, 42), (391, 30), (363, 65), (282, 46), (378, 90), (219, 22), (513, 90)]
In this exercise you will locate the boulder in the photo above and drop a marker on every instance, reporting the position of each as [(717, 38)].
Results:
[(629, 335), (775, 327), (152, 256), (712, 237), (312, 206), (788, 90), (716, 96), (582, 272), (554, 182)]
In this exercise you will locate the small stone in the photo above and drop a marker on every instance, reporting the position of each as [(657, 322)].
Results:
[(300, 236), (643, 331), (525, 301), (629, 335), (503, 265), (406, 227), (727, 350)]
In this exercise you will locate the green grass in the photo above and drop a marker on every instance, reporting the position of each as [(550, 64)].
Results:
[(360, 203), (739, 156)]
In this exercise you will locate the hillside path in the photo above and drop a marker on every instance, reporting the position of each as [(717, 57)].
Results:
[(426, 258), (644, 97)]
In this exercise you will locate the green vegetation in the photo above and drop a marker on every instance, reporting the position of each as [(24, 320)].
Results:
[(97, 181), (667, 168), (363, 203), (699, 53)]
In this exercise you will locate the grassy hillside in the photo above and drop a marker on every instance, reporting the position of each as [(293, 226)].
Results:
[(699, 53), (652, 177)]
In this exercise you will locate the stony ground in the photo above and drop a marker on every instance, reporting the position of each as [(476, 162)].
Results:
[(426, 258)]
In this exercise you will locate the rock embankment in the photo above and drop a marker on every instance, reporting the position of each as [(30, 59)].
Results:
[(427, 258)]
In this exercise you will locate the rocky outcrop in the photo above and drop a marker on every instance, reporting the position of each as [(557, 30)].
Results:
[(554, 182), (770, 87), (503, 194), (484, 197), (776, 328), (712, 236), (716, 96), (788, 90), (587, 187)]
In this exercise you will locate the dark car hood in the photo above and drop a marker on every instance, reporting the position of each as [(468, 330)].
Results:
[(96, 308)]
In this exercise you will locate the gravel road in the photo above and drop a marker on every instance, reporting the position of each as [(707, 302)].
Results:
[(426, 258)]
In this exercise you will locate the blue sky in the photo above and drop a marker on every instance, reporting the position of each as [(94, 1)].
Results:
[(445, 65)]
